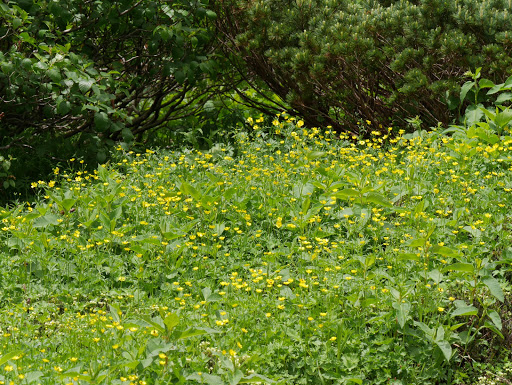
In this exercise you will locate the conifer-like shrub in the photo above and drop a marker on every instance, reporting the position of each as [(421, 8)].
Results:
[(339, 62)]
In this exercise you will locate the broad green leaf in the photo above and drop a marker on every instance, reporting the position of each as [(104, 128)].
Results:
[(503, 118), (445, 251), (464, 311), (465, 89), (255, 377), (473, 114), (180, 77), (496, 319), (402, 312), (101, 121), (346, 193), (485, 83), (54, 75), (464, 267), (10, 356), (301, 189), (407, 257), (33, 376), (504, 97), (170, 321), (48, 219), (68, 203), (445, 348), (188, 189), (378, 199), (315, 154), (85, 85), (354, 380), (494, 287), (420, 242), (192, 332), (211, 379)]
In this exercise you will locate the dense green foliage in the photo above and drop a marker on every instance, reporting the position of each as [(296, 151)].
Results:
[(342, 62), (108, 70), (307, 259)]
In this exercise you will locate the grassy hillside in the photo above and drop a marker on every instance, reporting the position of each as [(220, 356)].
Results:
[(289, 257)]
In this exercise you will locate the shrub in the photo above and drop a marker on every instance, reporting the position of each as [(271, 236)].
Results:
[(343, 62), (107, 69)]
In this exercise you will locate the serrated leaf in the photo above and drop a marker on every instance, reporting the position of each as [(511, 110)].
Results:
[(85, 85), (54, 75)]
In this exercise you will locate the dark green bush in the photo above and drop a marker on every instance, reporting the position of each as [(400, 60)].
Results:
[(341, 62), (107, 70)]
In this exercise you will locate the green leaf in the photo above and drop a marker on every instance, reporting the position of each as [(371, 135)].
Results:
[(33, 376), (473, 114), (464, 267), (9, 356), (315, 155), (503, 118), (420, 242), (255, 377), (445, 251), (54, 75), (346, 193), (378, 199), (301, 189), (445, 348), (504, 97), (101, 121), (494, 287), (485, 83), (465, 89), (48, 219), (464, 311), (85, 85), (180, 77), (188, 189), (408, 257), (496, 319), (192, 332), (402, 312), (210, 379), (170, 321)]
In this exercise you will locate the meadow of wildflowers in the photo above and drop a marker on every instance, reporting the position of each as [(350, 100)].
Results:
[(289, 256)]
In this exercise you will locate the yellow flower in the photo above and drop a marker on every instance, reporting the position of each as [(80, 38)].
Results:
[(440, 309)]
